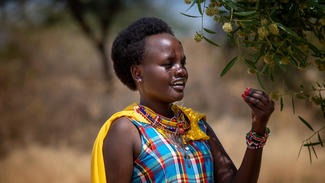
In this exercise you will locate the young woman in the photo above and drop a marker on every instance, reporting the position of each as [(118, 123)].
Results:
[(157, 141)]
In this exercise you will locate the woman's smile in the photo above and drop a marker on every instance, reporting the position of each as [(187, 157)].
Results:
[(179, 84)]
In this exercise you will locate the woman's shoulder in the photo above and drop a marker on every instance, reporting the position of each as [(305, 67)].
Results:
[(121, 124), (122, 131)]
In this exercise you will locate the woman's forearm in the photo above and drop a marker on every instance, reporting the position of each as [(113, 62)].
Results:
[(249, 169)]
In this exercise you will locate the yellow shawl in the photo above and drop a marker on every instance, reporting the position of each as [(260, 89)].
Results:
[(97, 160)]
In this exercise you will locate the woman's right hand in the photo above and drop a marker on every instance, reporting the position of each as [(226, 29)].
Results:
[(261, 108)]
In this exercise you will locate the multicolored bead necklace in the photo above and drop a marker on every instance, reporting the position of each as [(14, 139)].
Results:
[(177, 125)]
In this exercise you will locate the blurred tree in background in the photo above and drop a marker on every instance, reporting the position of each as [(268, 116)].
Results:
[(34, 102), (101, 12), (94, 18), (274, 38)]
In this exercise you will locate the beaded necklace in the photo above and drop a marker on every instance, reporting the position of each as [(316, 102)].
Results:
[(174, 128), (177, 124)]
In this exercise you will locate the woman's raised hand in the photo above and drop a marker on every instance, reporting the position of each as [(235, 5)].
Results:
[(262, 107)]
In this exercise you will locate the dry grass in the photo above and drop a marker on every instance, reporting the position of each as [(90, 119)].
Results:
[(36, 164)]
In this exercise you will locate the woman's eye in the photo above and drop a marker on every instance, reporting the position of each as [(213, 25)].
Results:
[(168, 65)]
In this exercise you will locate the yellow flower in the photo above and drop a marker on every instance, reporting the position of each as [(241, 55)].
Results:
[(320, 65), (274, 95), (284, 60), (322, 21), (262, 32), (227, 27), (264, 22), (218, 4), (197, 37), (303, 6), (188, 1), (305, 48), (251, 71), (240, 34), (268, 59), (210, 11), (303, 66), (273, 28)]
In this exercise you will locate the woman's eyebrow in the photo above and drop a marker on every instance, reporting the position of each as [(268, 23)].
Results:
[(172, 54)]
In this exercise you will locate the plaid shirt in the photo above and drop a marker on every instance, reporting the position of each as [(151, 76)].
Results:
[(160, 161)]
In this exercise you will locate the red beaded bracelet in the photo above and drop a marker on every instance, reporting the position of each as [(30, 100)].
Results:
[(255, 141)]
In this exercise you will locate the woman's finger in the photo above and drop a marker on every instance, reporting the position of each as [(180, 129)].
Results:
[(258, 94), (263, 98), (255, 102), (259, 99)]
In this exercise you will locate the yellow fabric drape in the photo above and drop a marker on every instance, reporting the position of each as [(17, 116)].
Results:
[(97, 160)]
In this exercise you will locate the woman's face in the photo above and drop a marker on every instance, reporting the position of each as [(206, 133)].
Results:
[(163, 71)]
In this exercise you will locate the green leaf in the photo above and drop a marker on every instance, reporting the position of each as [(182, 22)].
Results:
[(230, 4), (245, 13), (210, 41), (209, 31), (288, 31), (265, 67), (282, 67), (306, 123), (191, 16), (281, 104), (300, 150), (250, 64), (259, 80), (293, 105), (312, 147), (320, 140), (310, 159), (314, 48), (313, 88), (222, 11), (228, 66), (193, 3), (312, 144), (199, 7)]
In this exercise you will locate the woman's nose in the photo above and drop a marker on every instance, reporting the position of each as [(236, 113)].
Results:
[(181, 70)]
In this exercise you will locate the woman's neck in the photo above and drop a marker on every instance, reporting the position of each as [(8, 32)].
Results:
[(163, 109)]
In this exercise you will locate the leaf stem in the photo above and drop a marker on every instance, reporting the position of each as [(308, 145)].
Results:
[(315, 132)]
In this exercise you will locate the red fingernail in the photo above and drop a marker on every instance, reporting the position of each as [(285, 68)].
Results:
[(243, 95), (246, 92)]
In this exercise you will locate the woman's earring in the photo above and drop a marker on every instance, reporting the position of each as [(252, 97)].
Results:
[(139, 80)]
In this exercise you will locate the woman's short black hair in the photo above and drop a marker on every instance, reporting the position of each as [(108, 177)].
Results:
[(128, 46)]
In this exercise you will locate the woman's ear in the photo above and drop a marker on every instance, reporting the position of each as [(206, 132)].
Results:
[(136, 72)]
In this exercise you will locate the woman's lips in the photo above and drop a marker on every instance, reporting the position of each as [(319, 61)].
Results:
[(178, 86)]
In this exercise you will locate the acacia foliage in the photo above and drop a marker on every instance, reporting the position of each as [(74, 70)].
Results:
[(272, 36)]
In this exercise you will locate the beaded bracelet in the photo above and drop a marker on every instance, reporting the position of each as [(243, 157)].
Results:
[(255, 141)]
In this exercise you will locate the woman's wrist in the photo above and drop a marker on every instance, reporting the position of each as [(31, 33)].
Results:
[(255, 140), (260, 130)]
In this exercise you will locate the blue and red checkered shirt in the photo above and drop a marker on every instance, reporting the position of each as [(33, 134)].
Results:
[(161, 161)]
